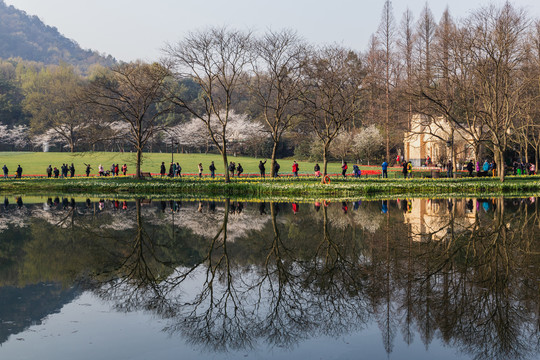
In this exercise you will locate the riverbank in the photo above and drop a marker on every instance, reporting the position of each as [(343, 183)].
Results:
[(286, 187)]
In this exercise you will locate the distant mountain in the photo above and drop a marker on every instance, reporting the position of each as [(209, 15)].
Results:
[(27, 37)]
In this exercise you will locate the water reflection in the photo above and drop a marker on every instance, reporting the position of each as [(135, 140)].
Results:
[(229, 275)]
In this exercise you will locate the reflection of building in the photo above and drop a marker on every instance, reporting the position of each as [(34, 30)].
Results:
[(432, 219), (434, 137)]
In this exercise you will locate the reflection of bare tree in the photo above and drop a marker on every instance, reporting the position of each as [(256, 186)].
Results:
[(475, 288), (135, 278), (469, 288), (216, 317)]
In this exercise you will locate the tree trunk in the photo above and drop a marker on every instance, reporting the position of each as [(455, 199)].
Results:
[(139, 158), (225, 161), (274, 151), (500, 164), (325, 162)]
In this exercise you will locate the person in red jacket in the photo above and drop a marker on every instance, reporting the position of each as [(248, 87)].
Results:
[(295, 168), (344, 168)]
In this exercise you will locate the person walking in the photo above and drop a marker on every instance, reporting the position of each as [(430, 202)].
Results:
[(200, 170), (6, 171), (72, 170), (124, 169), (404, 169), (344, 168), (356, 171), (485, 168), (295, 168), (409, 169), (276, 169), (178, 170), (239, 170), (162, 169), (100, 170), (262, 169), (317, 170), (232, 168), (212, 169), (49, 171), (470, 167), (117, 169), (384, 169), (88, 168), (171, 170), (450, 169), (56, 172), (18, 172)]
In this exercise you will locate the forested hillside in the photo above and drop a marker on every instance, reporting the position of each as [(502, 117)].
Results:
[(27, 37)]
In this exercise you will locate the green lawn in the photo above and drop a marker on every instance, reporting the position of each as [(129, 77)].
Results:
[(36, 163)]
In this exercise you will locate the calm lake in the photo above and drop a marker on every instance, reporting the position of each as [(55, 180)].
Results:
[(226, 279)]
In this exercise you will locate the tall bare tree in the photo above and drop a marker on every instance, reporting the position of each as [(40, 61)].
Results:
[(406, 45), (386, 34), (498, 54), (334, 83), (132, 93), (216, 60), (276, 82), (426, 32)]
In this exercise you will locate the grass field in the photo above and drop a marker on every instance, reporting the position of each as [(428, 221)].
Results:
[(255, 187), (36, 163)]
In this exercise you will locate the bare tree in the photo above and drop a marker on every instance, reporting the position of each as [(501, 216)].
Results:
[(498, 52), (406, 46), (334, 83), (132, 93), (216, 60), (386, 34), (276, 82), (426, 32)]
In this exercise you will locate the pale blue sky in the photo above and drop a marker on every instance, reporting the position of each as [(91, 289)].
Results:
[(138, 29)]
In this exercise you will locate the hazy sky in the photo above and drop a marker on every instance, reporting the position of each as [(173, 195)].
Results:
[(138, 29)]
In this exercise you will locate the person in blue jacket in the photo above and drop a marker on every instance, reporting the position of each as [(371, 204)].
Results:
[(385, 170)]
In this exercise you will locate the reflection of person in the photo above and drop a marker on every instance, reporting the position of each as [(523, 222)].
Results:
[(317, 206), (385, 206), (262, 208), (295, 208)]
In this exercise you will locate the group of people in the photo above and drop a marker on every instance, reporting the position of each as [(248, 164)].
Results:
[(64, 171), (523, 168), (18, 172), (113, 171), (175, 170)]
